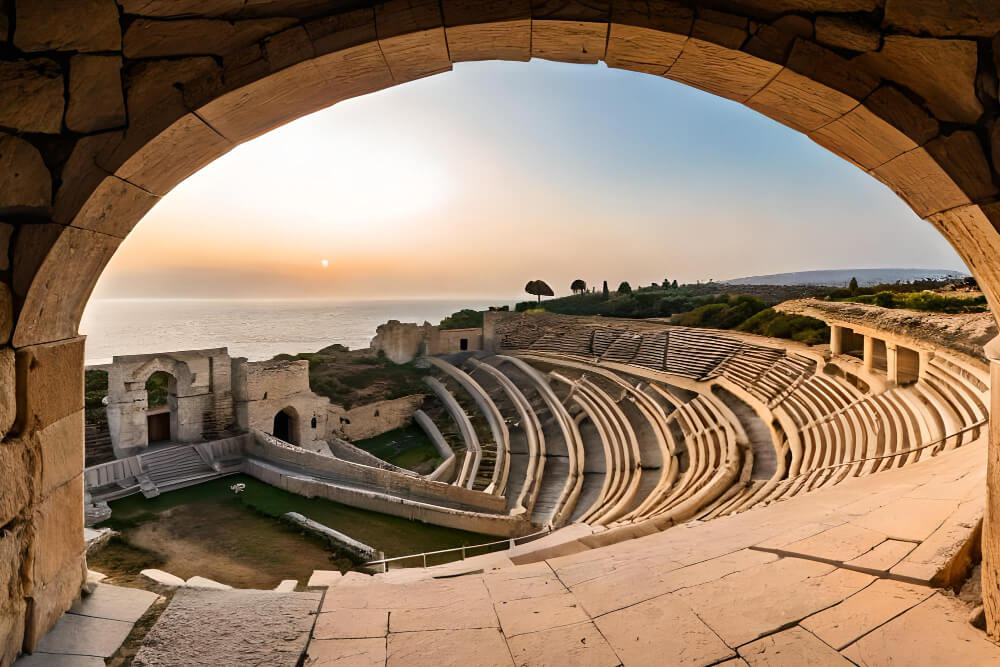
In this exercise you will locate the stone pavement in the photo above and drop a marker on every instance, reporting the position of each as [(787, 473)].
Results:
[(230, 627), (92, 629), (837, 576)]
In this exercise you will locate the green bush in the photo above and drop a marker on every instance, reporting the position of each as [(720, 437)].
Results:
[(463, 319)]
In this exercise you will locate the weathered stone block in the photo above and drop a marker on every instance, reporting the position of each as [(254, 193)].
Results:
[(972, 18), (19, 472), (826, 67), (972, 231), (114, 208), (49, 600), (774, 42), (720, 28), (568, 41), (58, 532), (411, 35), (25, 182), (61, 451), (941, 71), (588, 11), (288, 47), (864, 138), (146, 38), (174, 154), (49, 382), (6, 231), (96, 101), (342, 31), (921, 182), (59, 291), (80, 25), (897, 109), (8, 390), (13, 548), (6, 313), (647, 36), (31, 98), (352, 72), (81, 174), (846, 33), (180, 8), (800, 102), (488, 29), (961, 155), (722, 71)]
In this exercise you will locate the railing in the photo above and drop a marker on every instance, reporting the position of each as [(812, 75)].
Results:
[(461, 552), (906, 452)]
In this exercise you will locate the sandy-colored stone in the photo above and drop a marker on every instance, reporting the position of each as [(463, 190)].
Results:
[(346, 653), (942, 71), (80, 25), (42, 370), (147, 38), (352, 624), (31, 99), (961, 155), (973, 18), (411, 35), (85, 635), (96, 101), (114, 208), (943, 558), (568, 41), (162, 578), (6, 327), (921, 182), (25, 184), (799, 102), (484, 647), (324, 578), (49, 599), (203, 583), (847, 33), (647, 36), (19, 471), (763, 599), (287, 586), (578, 644), (460, 614), (841, 543), (912, 519), (883, 556), (934, 632), (528, 581), (721, 71), (792, 647), (60, 450), (864, 611), (538, 613), (115, 603), (5, 233), (864, 138), (178, 8), (646, 633), (8, 386)]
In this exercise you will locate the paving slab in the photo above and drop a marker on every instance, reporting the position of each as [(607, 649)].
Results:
[(287, 585), (842, 543), (346, 653), (352, 624), (84, 635), (38, 659), (515, 583), (324, 578), (538, 613), (791, 648), (935, 632), (459, 614), (202, 582), (580, 645), (764, 599), (883, 557), (230, 627), (163, 578), (912, 519), (448, 648), (115, 602), (864, 611), (663, 630)]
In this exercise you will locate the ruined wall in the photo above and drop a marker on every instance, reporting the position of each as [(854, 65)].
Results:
[(367, 421), (402, 342)]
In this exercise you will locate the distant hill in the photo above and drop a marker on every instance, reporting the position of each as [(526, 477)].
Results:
[(840, 277)]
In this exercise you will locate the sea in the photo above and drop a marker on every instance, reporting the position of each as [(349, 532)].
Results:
[(253, 328)]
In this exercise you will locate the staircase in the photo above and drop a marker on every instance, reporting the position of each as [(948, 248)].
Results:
[(174, 467)]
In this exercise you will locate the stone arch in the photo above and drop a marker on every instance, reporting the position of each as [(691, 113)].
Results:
[(90, 142), (287, 425)]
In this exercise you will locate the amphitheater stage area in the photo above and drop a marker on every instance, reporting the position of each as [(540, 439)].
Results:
[(837, 576)]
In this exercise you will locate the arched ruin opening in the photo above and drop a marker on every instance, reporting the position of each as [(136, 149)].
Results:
[(161, 407), (286, 426), (907, 111)]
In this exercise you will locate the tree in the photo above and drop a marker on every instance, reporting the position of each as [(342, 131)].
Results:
[(578, 286), (853, 286), (624, 288), (674, 285), (463, 319), (666, 283), (605, 292), (538, 288)]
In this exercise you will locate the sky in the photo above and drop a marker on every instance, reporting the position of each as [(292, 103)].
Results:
[(472, 182)]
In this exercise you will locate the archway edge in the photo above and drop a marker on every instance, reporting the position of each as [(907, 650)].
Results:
[(185, 113)]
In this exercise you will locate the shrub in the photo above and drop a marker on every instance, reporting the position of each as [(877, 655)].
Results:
[(463, 319)]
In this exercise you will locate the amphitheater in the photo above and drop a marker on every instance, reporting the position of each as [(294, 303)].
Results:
[(679, 534)]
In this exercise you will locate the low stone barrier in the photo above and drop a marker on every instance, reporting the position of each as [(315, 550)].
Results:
[(334, 537)]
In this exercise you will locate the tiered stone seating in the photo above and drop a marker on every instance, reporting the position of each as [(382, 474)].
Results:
[(470, 467)]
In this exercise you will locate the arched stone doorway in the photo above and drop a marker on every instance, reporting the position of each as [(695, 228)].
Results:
[(161, 407), (286, 426), (92, 141)]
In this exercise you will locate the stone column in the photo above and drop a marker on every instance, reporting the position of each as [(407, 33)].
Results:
[(836, 339), (869, 353), (891, 363), (991, 518)]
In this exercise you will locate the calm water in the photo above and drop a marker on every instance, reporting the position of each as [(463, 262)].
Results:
[(256, 329)]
